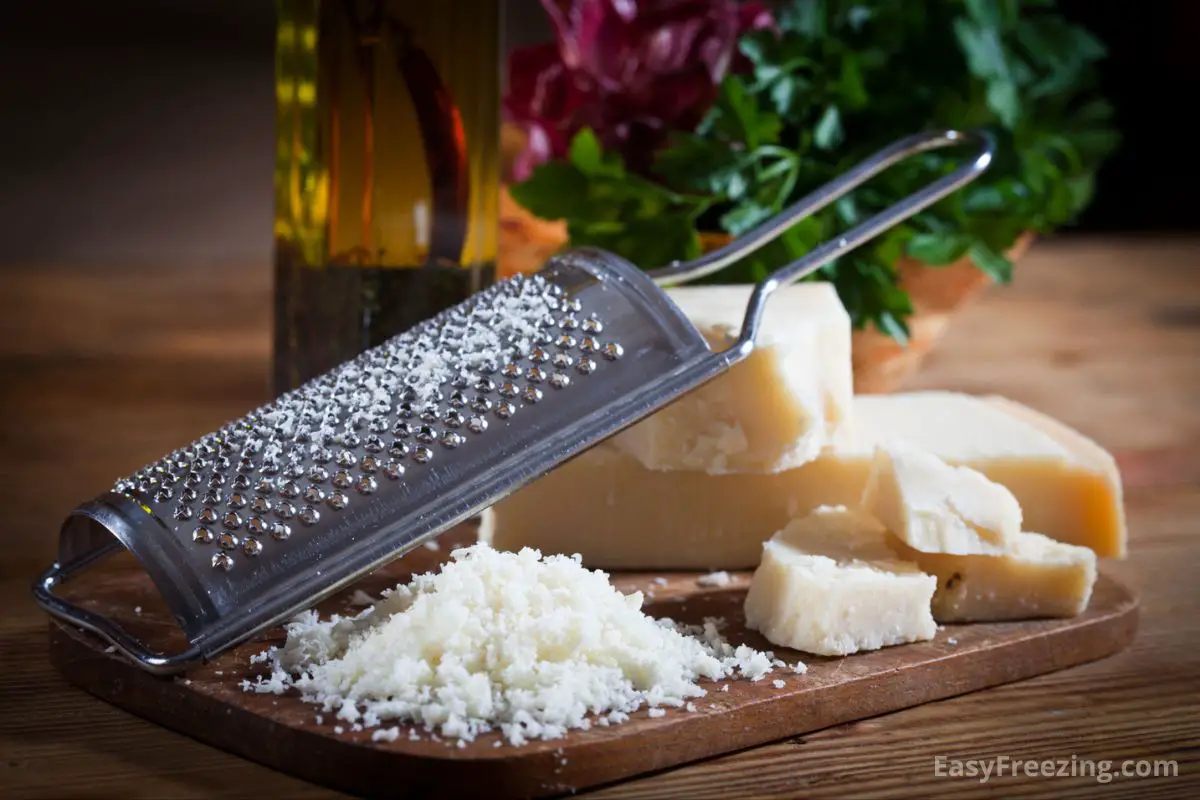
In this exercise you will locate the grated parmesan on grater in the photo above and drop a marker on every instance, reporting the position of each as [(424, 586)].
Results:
[(514, 642)]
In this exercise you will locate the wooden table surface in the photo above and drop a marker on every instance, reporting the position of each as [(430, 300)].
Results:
[(104, 370)]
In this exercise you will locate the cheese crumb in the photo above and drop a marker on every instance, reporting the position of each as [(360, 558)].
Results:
[(778, 684), (656, 712), (721, 578), (361, 598), (386, 735), (432, 545), (263, 657), (528, 646), (137, 610)]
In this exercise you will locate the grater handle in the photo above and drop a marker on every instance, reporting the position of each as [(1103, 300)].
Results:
[(93, 533), (77, 616), (868, 229), (717, 260)]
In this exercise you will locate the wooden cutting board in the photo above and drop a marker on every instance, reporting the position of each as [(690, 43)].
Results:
[(282, 731)]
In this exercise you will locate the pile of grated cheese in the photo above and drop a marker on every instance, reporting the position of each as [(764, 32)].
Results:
[(528, 645)]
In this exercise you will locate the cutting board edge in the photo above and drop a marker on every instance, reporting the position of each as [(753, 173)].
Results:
[(366, 769)]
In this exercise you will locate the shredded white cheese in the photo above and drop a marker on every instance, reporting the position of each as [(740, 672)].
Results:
[(497, 641), (385, 735), (721, 578)]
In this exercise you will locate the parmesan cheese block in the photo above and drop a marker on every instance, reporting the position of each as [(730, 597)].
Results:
[(829, 584), (771, 412), (1038, 577), (1068, 486), (618, 514), (936, 508)]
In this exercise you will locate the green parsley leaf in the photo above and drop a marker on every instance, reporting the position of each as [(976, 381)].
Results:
[(829, 134), (998, 267), (835, 82), (938, 249)]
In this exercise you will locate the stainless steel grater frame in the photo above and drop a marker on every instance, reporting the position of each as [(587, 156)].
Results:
[(274, 512)]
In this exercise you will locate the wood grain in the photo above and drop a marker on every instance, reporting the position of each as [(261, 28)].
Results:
[(208, 704), (102, 371)]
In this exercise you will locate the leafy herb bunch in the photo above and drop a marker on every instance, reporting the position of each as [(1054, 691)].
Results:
[(811, 90)]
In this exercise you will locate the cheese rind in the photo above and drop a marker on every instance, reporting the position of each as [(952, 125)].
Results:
[(936, 508), (1037, 578), (829, 584), (773, 411)]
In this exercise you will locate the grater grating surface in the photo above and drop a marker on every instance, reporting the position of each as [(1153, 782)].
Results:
[(393, 414), (265, 517), (280, 508)]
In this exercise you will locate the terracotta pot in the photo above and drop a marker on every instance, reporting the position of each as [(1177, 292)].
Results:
[(881, 365), (525, 241)]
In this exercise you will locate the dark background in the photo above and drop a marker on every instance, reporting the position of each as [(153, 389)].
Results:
[(140, 130)]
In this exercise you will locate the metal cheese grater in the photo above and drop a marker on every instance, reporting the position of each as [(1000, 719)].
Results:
[(275, 511)]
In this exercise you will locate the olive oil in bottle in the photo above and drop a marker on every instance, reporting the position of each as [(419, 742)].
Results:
[(386, 171)]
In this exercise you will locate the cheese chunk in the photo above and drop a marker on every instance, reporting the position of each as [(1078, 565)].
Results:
[(1067, 485), (829, 584), (771, 412), (1038, 577), (936, 508), (606, 506), (617, 514)]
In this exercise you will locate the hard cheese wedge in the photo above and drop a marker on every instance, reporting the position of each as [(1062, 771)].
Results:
[(618, 514), (773, 411), (1038, 577), (936, 508), (829, 584), (1067, 485)]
